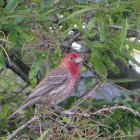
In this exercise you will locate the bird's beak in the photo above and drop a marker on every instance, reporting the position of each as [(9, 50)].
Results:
[(78, 60)]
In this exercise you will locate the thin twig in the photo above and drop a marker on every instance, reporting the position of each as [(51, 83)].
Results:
[(132, 15), (66, 123), (23, 88), (63, 123), (70, 113), (100, 76), (22, 127), (116, 107), (57, 121), (3, 40), (1, 70), (120, 27), (97, 136), (68, 44), (40, 127), (89, 94)]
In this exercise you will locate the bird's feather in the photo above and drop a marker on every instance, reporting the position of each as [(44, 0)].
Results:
[(55, 78), (52, 80)]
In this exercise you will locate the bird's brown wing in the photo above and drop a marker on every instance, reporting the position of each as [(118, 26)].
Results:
[(51, 81)]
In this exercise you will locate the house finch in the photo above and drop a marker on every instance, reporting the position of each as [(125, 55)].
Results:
[(57, 85)]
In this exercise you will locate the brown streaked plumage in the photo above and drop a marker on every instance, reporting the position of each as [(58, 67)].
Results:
[(57, 85)]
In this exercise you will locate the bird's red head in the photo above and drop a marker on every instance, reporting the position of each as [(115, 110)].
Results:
[(72, 62)]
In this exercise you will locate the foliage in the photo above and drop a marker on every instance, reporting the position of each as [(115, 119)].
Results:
[(25, 37)]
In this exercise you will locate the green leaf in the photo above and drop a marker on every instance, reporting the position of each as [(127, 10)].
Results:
[(82, 1), (70, 101), (70, 2), (4, 50), (138, 4), (23, 34), (101, 27), (133, 124), (124, 128), (100, 102), (89, 83), (98, 65), (92, 126), (1, 3), (12, 4), (2, 60), (130, 57), (110, 21), (123, 33), (133, 45), (91, 35), (115, 117), (110, 64), (124, 80), (116, 10), (99, 45), (97, 6), (95, 48), (12, 37), (26, 36), (105, 126), (91, 24), (12, 16), (47, 3), (19, 14), (77, 12), (4, 111), (34, 70), (124, 60), (84, 104), (48, 12), (89, 44), (83, 68), (18, 20), (44, 134)]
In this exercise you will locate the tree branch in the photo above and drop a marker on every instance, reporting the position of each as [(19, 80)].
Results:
[(120, 27), (101, 77), (22, 127), (89, 94), (16, 69), (70, 113)]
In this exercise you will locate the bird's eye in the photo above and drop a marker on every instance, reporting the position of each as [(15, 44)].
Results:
[(71, 58)]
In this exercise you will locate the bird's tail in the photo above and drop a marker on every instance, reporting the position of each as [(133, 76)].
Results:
[(27, 103)]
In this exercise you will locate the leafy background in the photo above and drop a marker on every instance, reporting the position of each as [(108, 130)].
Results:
[(29, 49)]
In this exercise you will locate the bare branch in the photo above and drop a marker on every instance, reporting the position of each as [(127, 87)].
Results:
[(97, 136), (67, 44), (22, 127), (22, 88), (116, 107), (1, 70), (120, 27), (40, 126), (70, 113), (3, 41), (16, 69), (89, 94)]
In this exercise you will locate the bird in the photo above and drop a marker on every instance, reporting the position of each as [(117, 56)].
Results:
[(56, 85)]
